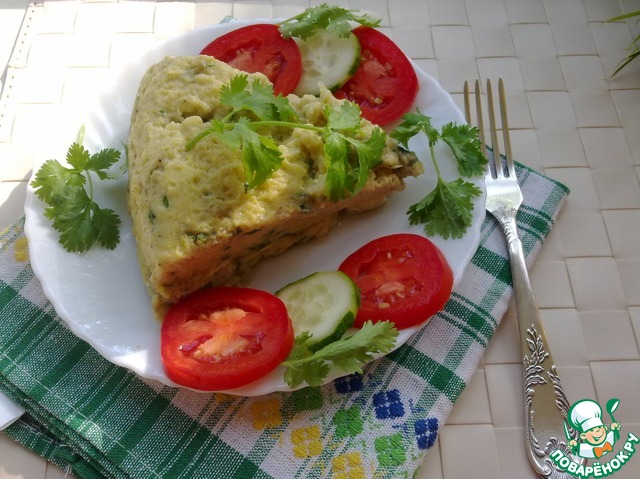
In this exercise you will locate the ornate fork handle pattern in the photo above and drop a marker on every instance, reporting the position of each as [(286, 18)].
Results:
[(506, 216), (545, 405)]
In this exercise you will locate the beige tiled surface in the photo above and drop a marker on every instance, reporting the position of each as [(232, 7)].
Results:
[(570, 119)]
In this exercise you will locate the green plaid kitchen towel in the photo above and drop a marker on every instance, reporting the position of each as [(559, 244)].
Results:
[(98, 420)]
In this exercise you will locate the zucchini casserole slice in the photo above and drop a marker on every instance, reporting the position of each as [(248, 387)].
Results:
[(194, 220)]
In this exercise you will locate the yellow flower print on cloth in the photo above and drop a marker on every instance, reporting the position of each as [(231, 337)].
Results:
[(348, 466), (266, 414), (21, 250), (307, 442)]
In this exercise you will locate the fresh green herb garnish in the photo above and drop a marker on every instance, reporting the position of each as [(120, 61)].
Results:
[(348, 354), (256, 111), (68, 193), (447, 210), (340, 137), (324, 17)]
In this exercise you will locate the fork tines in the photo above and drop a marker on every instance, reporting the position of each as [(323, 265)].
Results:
[(497, 168)]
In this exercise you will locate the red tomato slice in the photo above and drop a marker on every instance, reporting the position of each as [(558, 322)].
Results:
[(402, 278), (385, 84), (260, 48), (223, 338)]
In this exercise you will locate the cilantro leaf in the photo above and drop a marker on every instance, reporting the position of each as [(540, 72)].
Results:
[(52, 181), (324, 17), (345, 175), (347, 354), (72, 219), (346, 116), (260, 154), (106, 226), (215, 127), (78, 157), (465, 145), (369, 154), (70, 207), (101, 161), (255, 113), (81, 222), (342, 147), (411, 125), (300, 366), (335, 160), (259, 99), (446, 210)]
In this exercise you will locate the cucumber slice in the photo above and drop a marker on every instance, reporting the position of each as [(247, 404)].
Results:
[(324, 304), (327, 59)]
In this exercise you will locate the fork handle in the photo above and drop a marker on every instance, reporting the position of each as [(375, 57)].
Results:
[(545, 404)]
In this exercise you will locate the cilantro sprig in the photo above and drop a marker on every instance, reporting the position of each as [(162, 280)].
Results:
[(447, 209), (324, 17), (255, 112), (347, 354), (68, 192)]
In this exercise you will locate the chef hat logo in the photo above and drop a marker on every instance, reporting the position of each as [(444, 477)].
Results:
[(585, 415)]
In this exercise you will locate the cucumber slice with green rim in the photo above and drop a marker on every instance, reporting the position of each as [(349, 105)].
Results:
[(324, 304), (327, 59)]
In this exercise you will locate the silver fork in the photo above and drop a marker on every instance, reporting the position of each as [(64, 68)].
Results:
[(546, 429)]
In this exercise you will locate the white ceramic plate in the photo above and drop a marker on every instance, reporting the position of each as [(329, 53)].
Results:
[(100, 294)]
